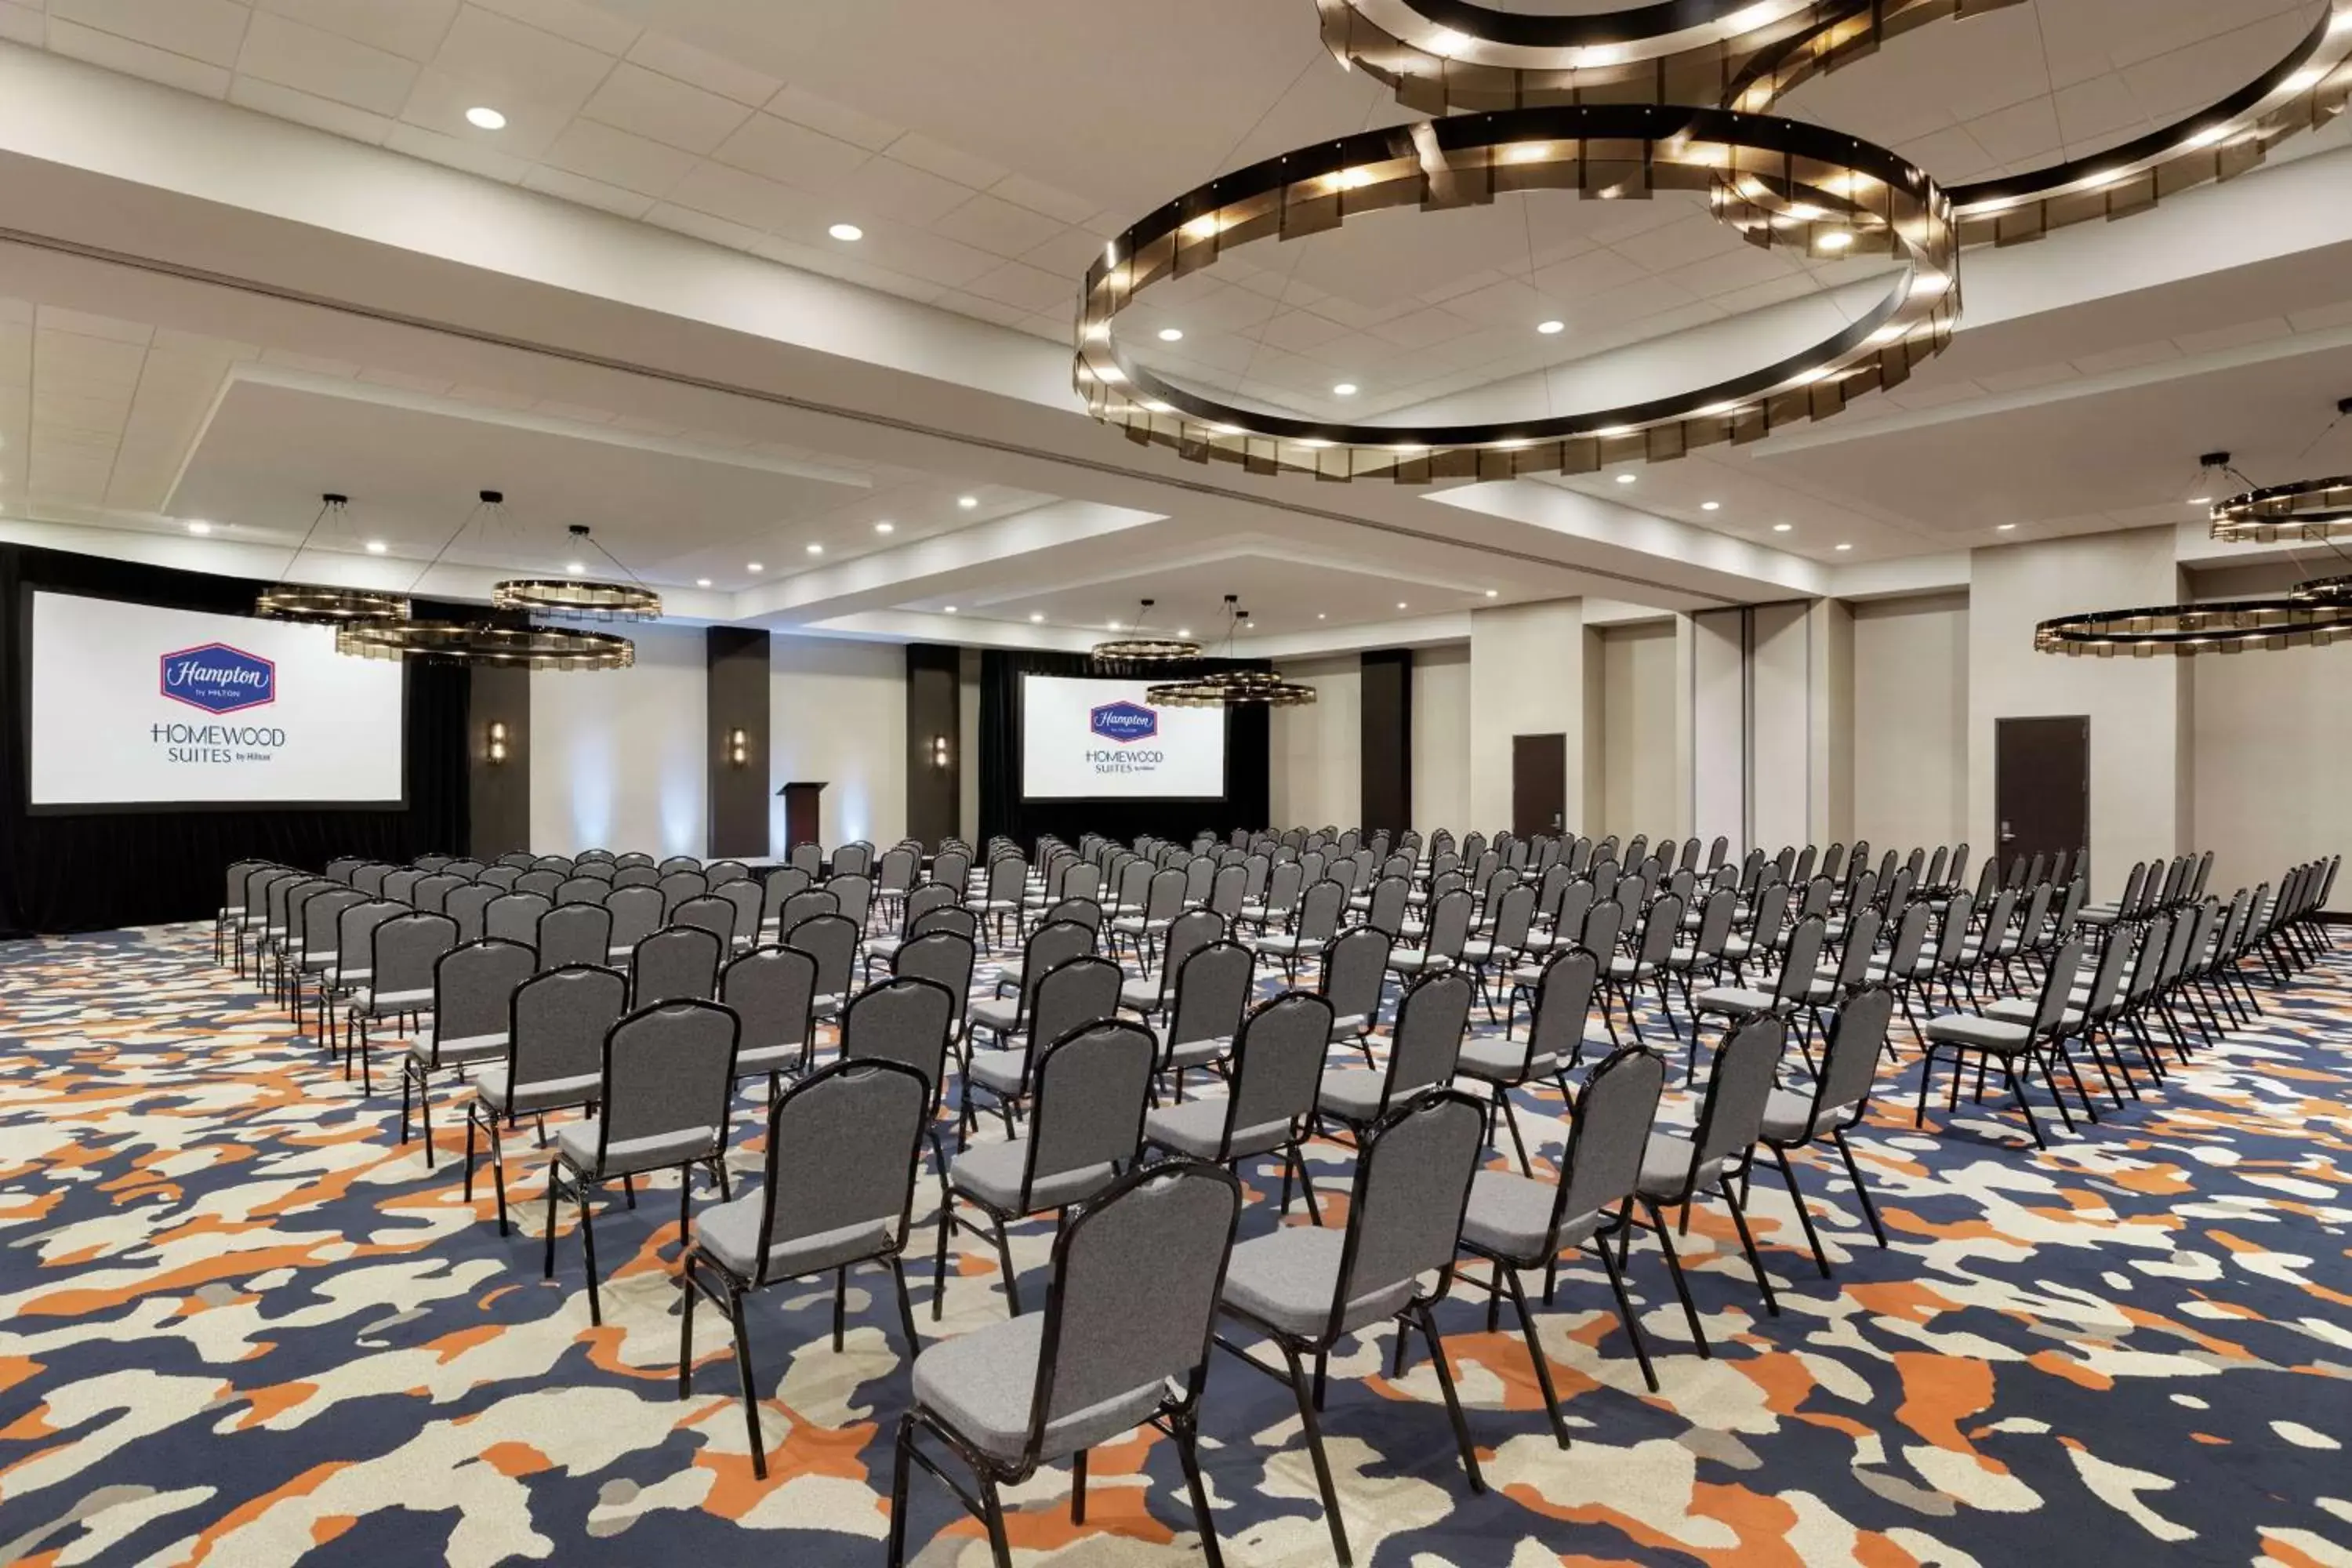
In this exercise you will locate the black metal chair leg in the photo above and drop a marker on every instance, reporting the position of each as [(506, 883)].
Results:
[(1306, 1398), (1453, 1400), (1804, 1216), (1869, 1210), (1681, 1286), (1748, 1245), (1625, 1311), (744, 1378), (1511, 1280)]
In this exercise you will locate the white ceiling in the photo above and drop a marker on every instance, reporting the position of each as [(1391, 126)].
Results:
[(987, 152)]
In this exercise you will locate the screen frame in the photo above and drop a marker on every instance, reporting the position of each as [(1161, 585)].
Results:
[(1021, 730), (28, 591)]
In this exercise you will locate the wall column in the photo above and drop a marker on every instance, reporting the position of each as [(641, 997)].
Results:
[(1527, 677), (935, 742), (1387, 740), (736, 687), (497, 787)]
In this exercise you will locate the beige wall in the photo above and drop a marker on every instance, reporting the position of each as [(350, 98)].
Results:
[(2139, 807), (1911, 720), (1527, 677), (837, 711), (1318, 750), (1640, 781), (1441, 739), (2270, 750), (1781, 695), (619, 758)]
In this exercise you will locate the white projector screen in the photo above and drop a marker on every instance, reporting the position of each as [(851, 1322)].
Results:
[(1099, 740), (137, 706)]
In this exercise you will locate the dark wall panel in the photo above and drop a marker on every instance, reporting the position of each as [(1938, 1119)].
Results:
[(737, 694), (934, 714), (1387, 772), (499, 787)]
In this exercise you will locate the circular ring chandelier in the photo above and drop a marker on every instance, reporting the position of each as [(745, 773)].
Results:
[(578, 598), (2312, 509), (2226, 626), (534, 647), (327, 606), (2324, 590), (1233, 689), (1138, 648), (1776, 180)]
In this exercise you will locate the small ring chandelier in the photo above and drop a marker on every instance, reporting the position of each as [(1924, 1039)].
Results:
[(1138, 648), (1233, 688), (580, 598), (317, 604)]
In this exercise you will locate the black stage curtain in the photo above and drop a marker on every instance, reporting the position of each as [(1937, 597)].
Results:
[(107, 869), (1002, 809)]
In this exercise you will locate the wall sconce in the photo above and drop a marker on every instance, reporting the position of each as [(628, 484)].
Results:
[(738, 748), (498, 746), (940, 752)]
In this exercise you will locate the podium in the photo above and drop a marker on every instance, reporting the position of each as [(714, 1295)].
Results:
[(801, 813)]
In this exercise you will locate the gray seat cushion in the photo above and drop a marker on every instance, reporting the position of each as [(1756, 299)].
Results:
[(1786, 1113), (1289, 1279), (1510, 1214), (991, 1173), (1196, 1126), (1352, 1094), (1414, 960), (1980, 1033), (457, 1053), (549, 1094), (1348, 1026), (730, 1232), (1736, 1000), (577, 1145), (996, 1013), (1283, 943), (767, 1058), (384, 1004), (1191, 1053), (1666, 1165), (983, 1386), (999, 1071), (1141, 996), (1496, 1060)]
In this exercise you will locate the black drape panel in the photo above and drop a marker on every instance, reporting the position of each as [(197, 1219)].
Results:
[(1002, 809), (104, 870)]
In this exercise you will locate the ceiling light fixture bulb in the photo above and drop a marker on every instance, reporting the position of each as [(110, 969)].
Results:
[(199, 526), (1172, 334), (1036, 620), (1400, 605), (2004, 527), (816, 550), (1627, 479), (484, 118), (847, 233), (1783, 527), (1550, 329), (376, 547), (1710, 506), (1344, 389), (885, 527), (754, 566), (946, 609), (967, 502), (702, 582), (1845, 547), (573, 568)]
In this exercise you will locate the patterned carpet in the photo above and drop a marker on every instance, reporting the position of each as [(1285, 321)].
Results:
[(239, 1325)]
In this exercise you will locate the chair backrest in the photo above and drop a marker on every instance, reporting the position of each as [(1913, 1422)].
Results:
[(1861, 942), (855, 889), (669, 1070), (832, 941), (1090, 1087), (1277, 1065), (556, 1028), (676, 886), (675, 863), (634, 858), (322, 915), (781, 883), (540, 880), (675, 963), (896, 872), (2059, 984), (1563, 1003), (1432, 1019), (405, 950), (1515, 914), (930, 896), (943, 957), (581, 891), (559, 864), (515, 917), (431, 893), (1355, 969), (1165, 899), (1211, 991), (853, 859), (502, 877), (950, 868), (1731, 1117), (1802, 957), (1661, 929), (473, 992), (1187, 934), (1049, 947), (953, 918), (747, 901), (1849, 1067), (718, 873), (904, 1020), (1413, 1182), (773, 993), (1604, 924), (1132, 1301), (1319, 908), (1080, 991), (1449, 924), (841, 1144), (712, 913), (1284, 884), (1609, 1134), (398, 885), (1390, 898), (636, 914), (806, 905), (1008, 875), (575, 933)]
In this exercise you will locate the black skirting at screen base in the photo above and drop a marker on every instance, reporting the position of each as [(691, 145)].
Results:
[(63, 872), (1002, 809)]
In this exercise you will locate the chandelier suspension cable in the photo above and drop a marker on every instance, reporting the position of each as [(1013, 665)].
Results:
[(486, 498), (327, 503), (288, 600)]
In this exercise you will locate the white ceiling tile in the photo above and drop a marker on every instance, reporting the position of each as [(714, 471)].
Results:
[(322, 114), (1694, 239), (648, 103), (316, 364), (471, 156), (1016, 283), (712, 73), (588, 193), (1046, 325), (174, 340), (737, 197), (120, 54), (206, 30), (1420, 329), (578, 413), (933, 257), (999, 226), (412, 29), (1743, 265), (23, 24), (950, 162), (82, 323), (596, 27), (617, 158), (995, 311), (439, 101), (2026, 379), (779, 150), (503, 57), (2129, 358), (1303, 332), (436, 386), (294, 55), (888, 189), (1580, 275), (1040, 197), (1069, 253), (704, 226), (802, 107)]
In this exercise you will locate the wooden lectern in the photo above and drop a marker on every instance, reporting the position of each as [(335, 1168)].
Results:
[(800, 815)]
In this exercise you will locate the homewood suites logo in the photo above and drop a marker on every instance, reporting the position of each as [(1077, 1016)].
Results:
[(219, 678), (1124, 722)]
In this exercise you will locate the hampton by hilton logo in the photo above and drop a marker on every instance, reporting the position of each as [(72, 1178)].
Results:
[(1124, 722), (218, 679)]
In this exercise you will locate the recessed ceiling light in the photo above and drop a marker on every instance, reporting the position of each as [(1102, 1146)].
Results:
[(2003, 527), (816, 550), (885, 526), (573, 568), (2200, 501), (1400, 603), (702, 582), (1627, 479), (1344, 389), (1110, 625), (1172, 334), (1321, 616), (1783, 527), (1493, 593), (199, 525), (1835, 239), (1710, 506), (481, 117), (754, 566), (967, 502), (376, 547), (847, 233), (1845, 547), (1548, 327), (1036, 620), (1180, 631), (948, 609)]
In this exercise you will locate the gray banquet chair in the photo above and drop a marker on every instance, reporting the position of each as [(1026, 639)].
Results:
[(1555, 1041), (667, 1074), (712, 914), (556, 1024), (909, 1021), (575, 933), (840, 1181), (1123, 1341), (514, 917), (473, 994), (1213, 992), (637, 915), (1072, 994), (832, 941), (403, 952), (1839, 1098), (772, 991), (675, 963), (1354, 977), (466, 906), (1277, 1056), (1433, 1018)]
